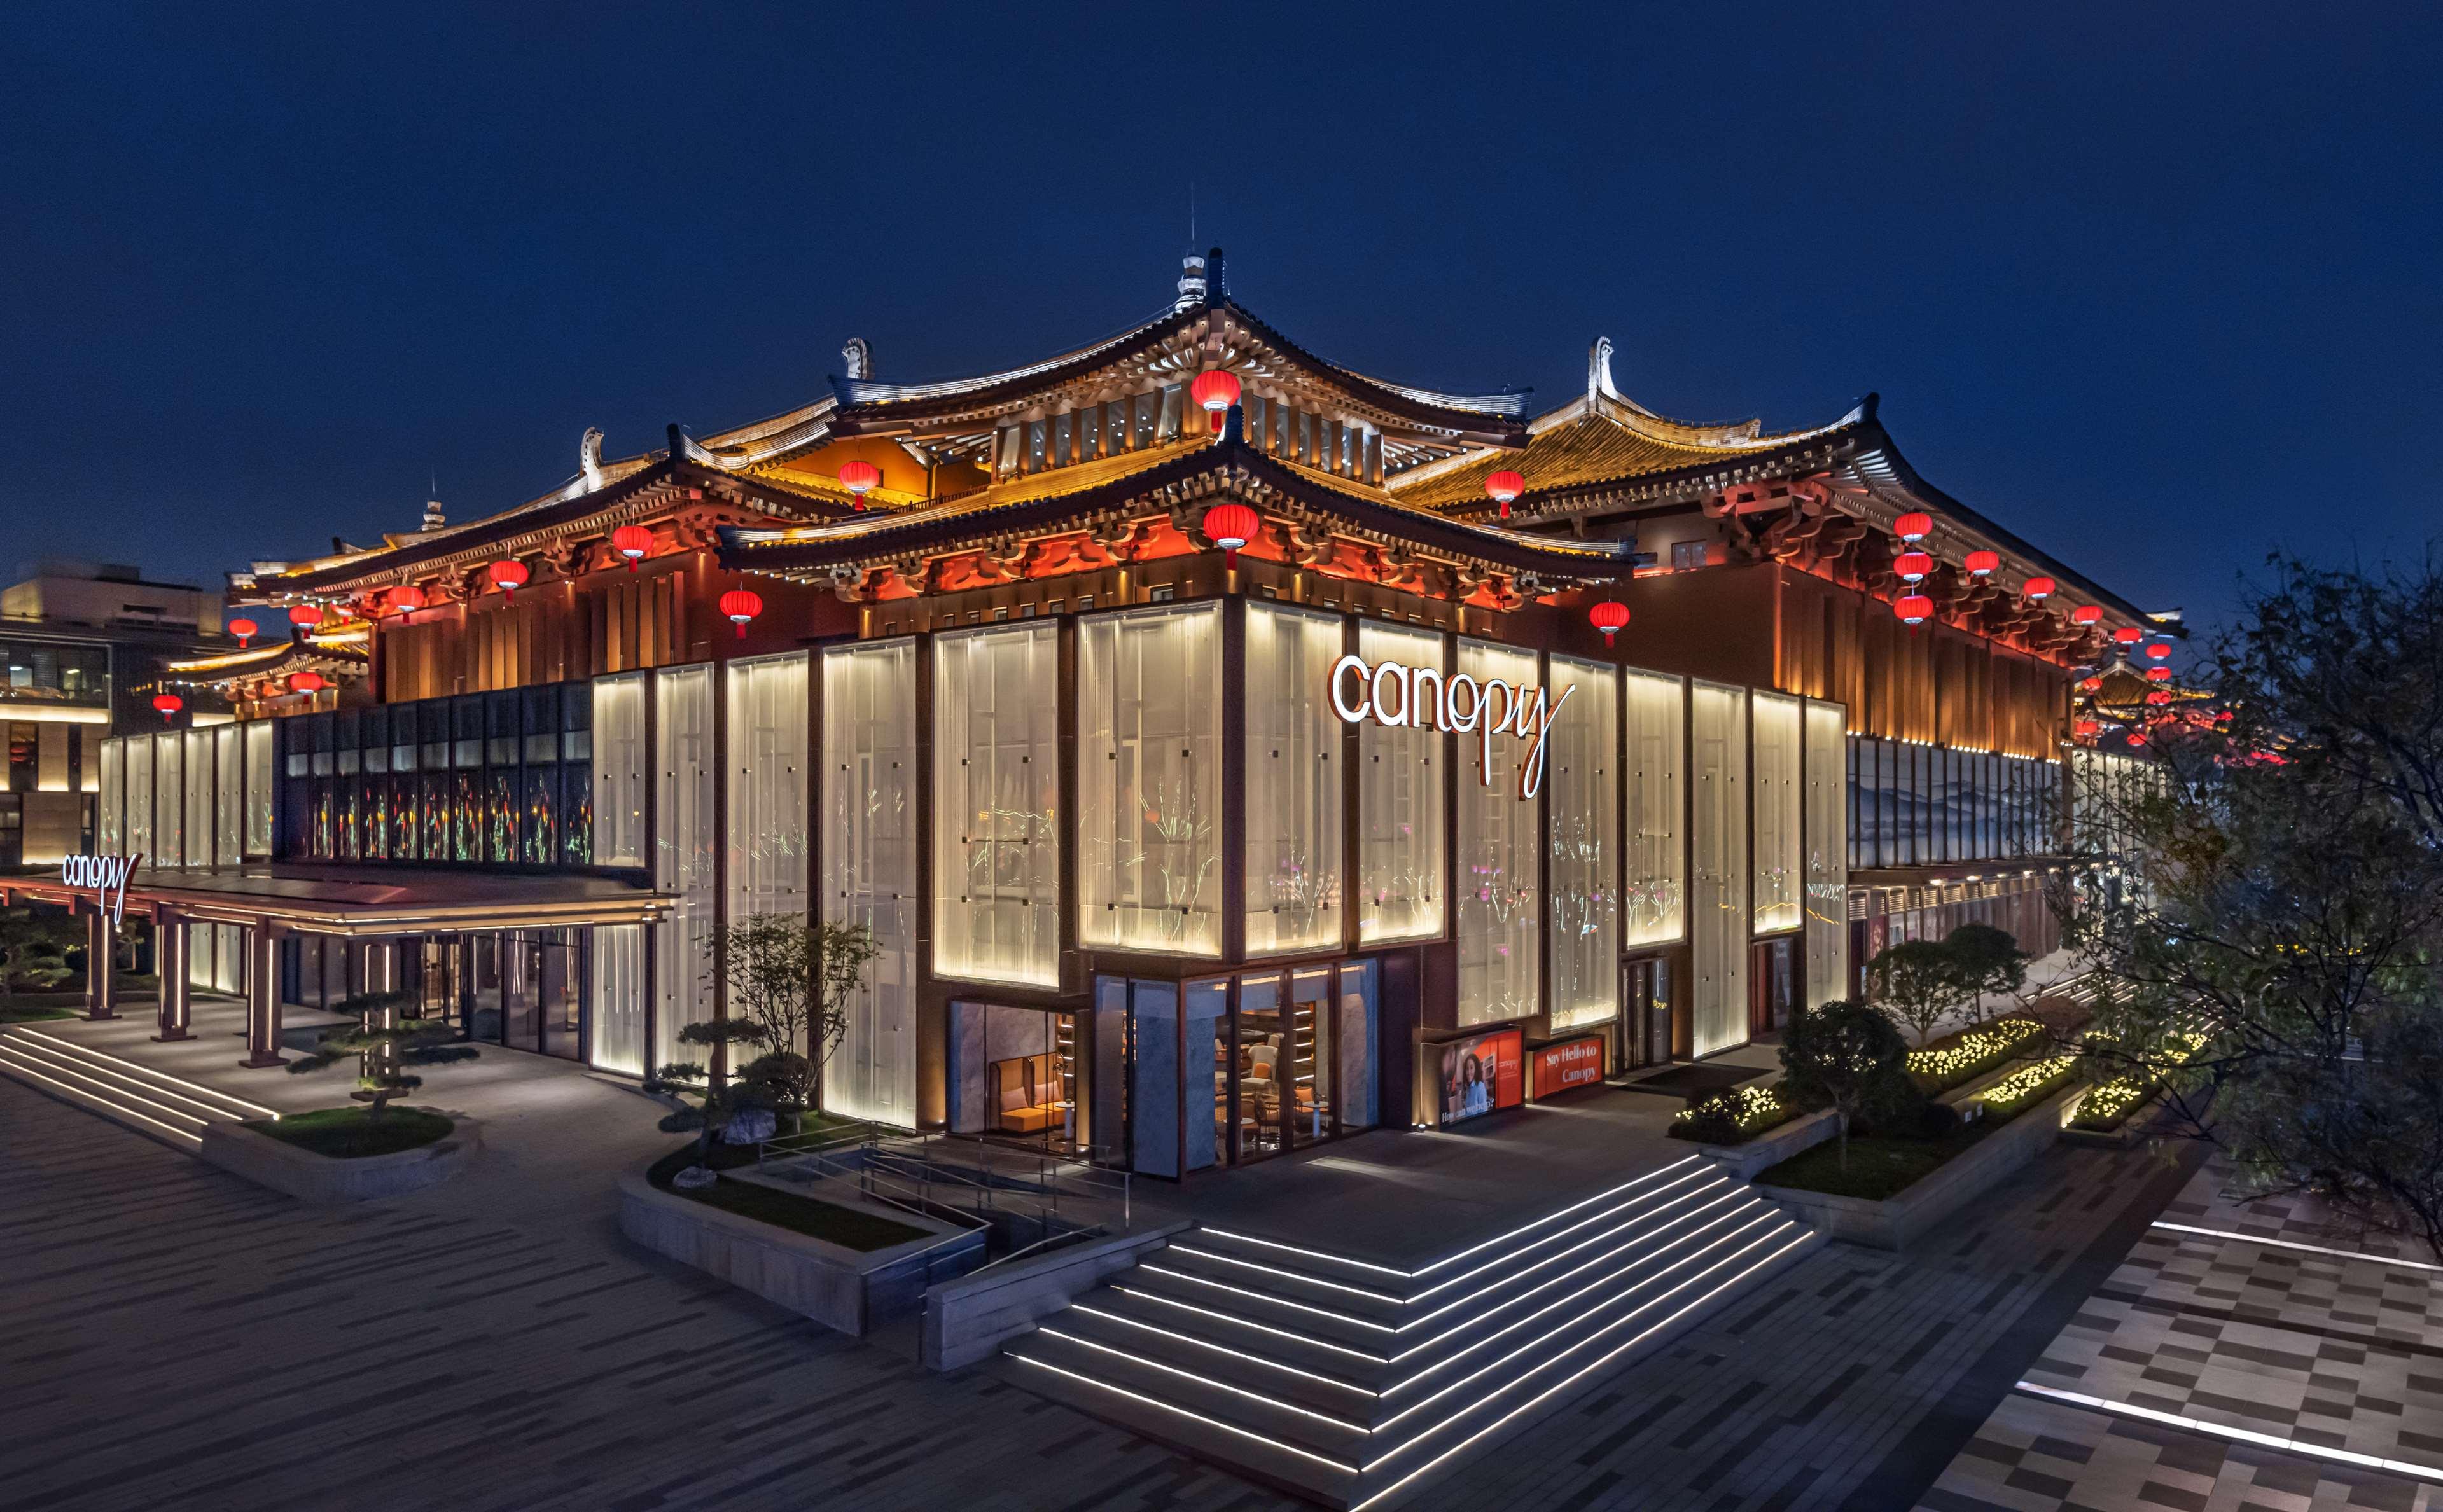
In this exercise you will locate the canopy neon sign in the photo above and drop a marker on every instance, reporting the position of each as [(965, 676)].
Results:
[(1394, 694), (106, 876)]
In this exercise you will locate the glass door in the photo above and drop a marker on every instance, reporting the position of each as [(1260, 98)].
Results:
[(1308, 1082), (1261, 1039)]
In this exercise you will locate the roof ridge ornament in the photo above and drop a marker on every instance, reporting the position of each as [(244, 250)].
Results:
[(1192, 284), (1599, 383), (589, 458), (857, 353)]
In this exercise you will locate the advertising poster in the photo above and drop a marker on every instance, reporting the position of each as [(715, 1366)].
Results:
[(1483, 1073), (1568, 1065)]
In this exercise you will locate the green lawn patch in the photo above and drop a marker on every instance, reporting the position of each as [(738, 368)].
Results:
[(348, 1134), (1880, 1167), (849, 1227)]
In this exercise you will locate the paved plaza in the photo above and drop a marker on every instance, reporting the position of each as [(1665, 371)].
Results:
[(180, 1338), (2240, 1318)]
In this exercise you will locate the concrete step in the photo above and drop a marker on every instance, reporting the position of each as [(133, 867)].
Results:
[(1334, 1435), (1284, 1368), (155, 1103)]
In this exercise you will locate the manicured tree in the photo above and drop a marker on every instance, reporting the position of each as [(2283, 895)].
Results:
[(1989, 961), (1917, 982), (33, 949), (793, 980), (1847, 1055), (719, 1101), (387, 1047)]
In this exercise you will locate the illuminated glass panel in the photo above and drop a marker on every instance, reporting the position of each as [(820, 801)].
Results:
[(1583, 777), (1501, 954), (995, 801), (1403, 833), (1150, 780), (1293, 800)]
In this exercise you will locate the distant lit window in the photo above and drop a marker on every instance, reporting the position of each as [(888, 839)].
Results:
[(1686, 554)]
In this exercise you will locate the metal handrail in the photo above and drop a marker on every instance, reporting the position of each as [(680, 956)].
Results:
[(1072, 1236)]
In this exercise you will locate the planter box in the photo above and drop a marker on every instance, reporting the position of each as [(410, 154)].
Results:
[(2119, 1139), (1894, 1222), (851, 1290), (311, 1177), (967, 1320), (1740, 1162)]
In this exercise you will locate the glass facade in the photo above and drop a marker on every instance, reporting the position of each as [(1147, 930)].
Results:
[(1583, 776), (620, 764), (767, 770), (1294, 805), (868, 870), (1501, 954), (1402, 831), (1718, 931), (996, 805), (684, 856), (1654, 898), (1149, 830), (1913, 805), (1780, 864), (1827, 843)]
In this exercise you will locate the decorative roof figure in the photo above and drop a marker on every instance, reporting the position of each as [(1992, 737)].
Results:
[(1191, 284), (858, 356), (589, 458)]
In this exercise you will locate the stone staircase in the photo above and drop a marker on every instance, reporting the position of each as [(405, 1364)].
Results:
[(1351, 1383), (169, 1108)]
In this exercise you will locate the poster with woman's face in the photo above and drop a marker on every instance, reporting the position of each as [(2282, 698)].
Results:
[(1481, 1074)]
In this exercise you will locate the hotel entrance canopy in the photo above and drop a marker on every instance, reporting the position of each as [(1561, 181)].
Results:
[(351, 903)]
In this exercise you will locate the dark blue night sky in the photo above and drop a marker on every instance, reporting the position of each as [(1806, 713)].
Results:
[(2157, 286)]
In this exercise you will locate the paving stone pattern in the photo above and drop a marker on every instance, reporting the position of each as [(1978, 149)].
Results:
[(178, 1337), (2340, 1353)]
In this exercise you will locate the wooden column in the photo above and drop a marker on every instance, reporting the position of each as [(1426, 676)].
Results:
[(262, 998), (100, 964), (170, 964)]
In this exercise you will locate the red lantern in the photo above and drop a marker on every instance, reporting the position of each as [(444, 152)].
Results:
[(2039, 589), (1982, 564), (406, 598), (2158, 674), (2159, 653), (2128, 635), (510, 574), (632, 542), (2136, 739), (2090, 685), (305, 682), (305, 616), (1215, 390), (244, 629), (1911, 567), (2224, 718), (1913, 609), (2086, 615), (2158, 697), (1504, 486), (740, 605), (1231, 526), (1914, 526), (169, 703), (2088, 729), (858, 477), (1609, 617)]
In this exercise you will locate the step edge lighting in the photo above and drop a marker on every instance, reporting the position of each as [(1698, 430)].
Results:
[(1524, 1271), (1156, 1401), (1559, 1233), (1343, 1423), (23, 1061), (38, 1053), (1248, 1323), (1220, 1349), (1278, 1302), (252, 1107), (17, 1070)]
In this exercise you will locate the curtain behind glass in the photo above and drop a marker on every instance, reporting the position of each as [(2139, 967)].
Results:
[(620, 768), (996, 805), (768, 774), (684, 859), (1401, 836), (1780, 861), (1584, 778), (1150, 780), (616, 1017), (1292, 802), (259, 797), (1718, 922), (869, 870), (1828, 853), (1500, 958), (1654, 898)]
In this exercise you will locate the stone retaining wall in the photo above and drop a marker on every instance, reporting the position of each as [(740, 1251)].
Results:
[(311, 1177), (967, 1318), (1893, 1223)]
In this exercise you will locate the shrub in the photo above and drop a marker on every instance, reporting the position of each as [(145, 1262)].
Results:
[(1959, 1058), (1731, 1116), (2026, 1087)]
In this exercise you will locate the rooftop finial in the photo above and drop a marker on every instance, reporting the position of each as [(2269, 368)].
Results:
[(434, 518), (858, 354), (589, 458), (1192, 282), (1599, 371)]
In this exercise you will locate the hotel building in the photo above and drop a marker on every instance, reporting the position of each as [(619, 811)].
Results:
[(1228, 750)]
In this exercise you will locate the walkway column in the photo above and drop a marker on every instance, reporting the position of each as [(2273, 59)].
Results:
[(262, 998), (170, 964), (100, 965)]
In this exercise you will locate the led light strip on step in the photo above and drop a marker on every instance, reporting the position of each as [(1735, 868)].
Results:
[(2292, 1243), (1343, 1423), (1649, 1253), (1177, 1247), (1592, 1366), (45, 1055), (1267, 1296), (1245, 1323), (1641, 1220), (211, 1092), (1222, 1349), (1300, 1249), (2242, 1435), (1574, 1323), (1538, 1223), (18, 1068), (1209, 1421), (1632, 1205)]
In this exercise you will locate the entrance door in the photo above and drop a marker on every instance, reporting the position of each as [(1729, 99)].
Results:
[(1312, 1055), (1773, 985), (1646, 1014)]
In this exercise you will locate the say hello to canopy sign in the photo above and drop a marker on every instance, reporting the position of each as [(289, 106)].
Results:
[(1418, 697), (106, 876)]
